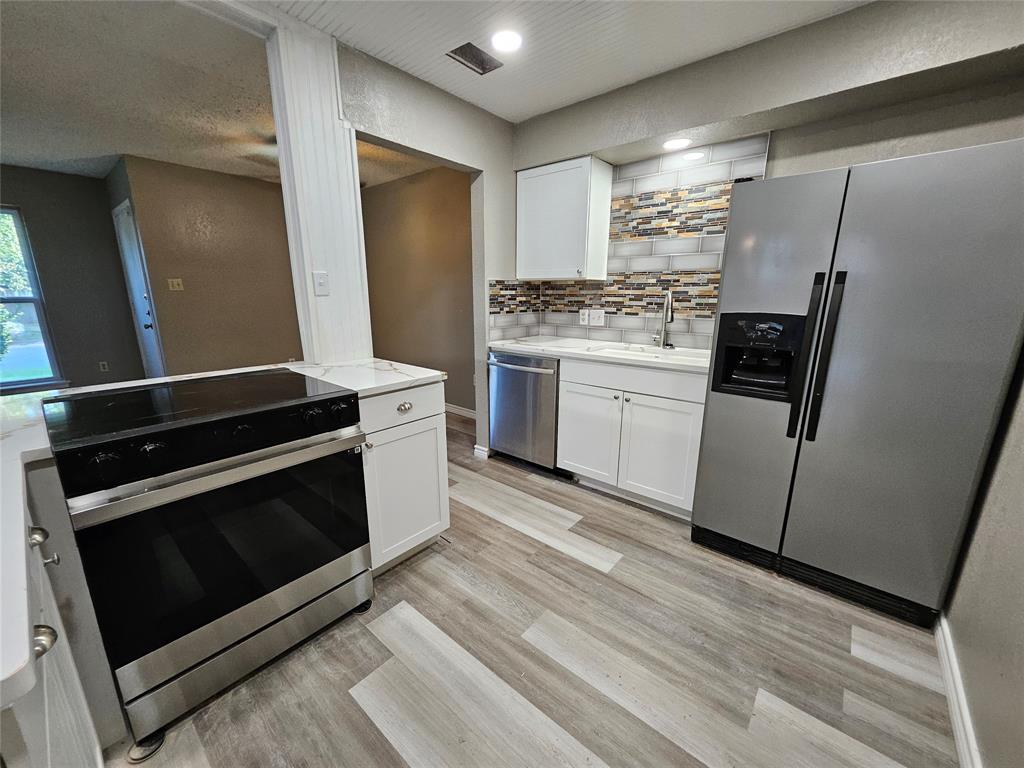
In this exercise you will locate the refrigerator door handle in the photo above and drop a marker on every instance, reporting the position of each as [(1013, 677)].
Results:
[(813, 307), (821, 374)]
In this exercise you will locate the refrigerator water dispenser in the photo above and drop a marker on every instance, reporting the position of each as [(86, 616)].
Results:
[(758, 355)]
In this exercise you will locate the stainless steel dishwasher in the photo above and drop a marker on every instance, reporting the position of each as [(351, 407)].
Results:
[(524, 406)]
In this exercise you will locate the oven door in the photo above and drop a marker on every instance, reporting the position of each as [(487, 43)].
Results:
[(182, 570)]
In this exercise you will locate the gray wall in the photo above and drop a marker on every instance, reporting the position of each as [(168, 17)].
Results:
[(420, 273), (986, 616), (782, 81), (72, 236), (963, 118)]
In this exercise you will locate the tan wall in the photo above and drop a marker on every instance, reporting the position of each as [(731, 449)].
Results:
[(962, 118), (225, 237), (986, 616), (419, 267)]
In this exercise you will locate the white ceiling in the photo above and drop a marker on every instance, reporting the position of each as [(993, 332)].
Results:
[(82, 83), (571, 50)]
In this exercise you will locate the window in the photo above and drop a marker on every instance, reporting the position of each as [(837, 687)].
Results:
[(26, 353)]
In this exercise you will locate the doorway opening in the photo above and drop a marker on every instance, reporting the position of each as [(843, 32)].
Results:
[(419, 265)]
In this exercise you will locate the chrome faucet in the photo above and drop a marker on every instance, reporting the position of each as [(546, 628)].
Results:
[(661, 339)]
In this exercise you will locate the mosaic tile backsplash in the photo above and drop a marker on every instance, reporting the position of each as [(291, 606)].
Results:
[(668, 222)]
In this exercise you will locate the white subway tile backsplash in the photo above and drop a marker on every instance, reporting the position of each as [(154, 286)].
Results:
[(639, 168), (622, 188), (558, 318), (572, 331), (705, 174), (627, 322), (546, 330), (690, 340), (618, 265), (694, 261), (676, 160), (679, 325), (712, 243), (751, 166), (673, 245), (654, 183), (605, 334), (638, 337), (705, 325), (529, 318), (632, 248), (648, 263), (730, 150), (503, 321)]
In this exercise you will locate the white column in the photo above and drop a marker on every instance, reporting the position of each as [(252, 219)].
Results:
[(320, 183)]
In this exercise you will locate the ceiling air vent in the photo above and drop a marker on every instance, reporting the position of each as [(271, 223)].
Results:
[(480, 61)]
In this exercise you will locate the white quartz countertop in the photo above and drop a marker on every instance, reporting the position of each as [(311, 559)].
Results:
[(683, 360), (23, 439)]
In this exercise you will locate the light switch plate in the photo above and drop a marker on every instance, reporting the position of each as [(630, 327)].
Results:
[(175, 284), (584, 317), (597, 317), (321, 285)]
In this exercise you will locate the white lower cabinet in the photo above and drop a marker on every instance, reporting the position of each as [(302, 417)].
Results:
[(659, 446), (642, 444), (589, 420), (406, 473)]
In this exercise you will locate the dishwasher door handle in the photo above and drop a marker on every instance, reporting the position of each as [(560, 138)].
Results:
[(526, 368)]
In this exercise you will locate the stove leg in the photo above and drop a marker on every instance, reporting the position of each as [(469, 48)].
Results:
[(144, 749), (363, 607)]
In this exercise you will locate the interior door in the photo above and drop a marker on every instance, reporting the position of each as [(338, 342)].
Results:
[(781, 233), (136, 280), (924, 336)]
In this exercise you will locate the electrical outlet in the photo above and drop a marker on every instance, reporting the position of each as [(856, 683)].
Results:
[(584, 317), (597, 317), (104, 366), (175, 284)]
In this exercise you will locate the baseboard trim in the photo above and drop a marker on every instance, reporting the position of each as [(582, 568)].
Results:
[(959, 713), (481, 453), (458, 410)]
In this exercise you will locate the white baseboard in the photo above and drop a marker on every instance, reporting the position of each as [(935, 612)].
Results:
[(959, 713), (480, 452), (458, 410)]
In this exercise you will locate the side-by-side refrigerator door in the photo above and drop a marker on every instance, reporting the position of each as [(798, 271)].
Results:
[(920, 339), (780, 242)]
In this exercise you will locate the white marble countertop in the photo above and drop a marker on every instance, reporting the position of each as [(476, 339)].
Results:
[(23, 439), (684, 360)]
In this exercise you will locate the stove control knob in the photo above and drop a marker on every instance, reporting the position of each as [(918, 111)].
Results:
[(313, 416), (340, 411), (243, 434), (107, 465), (154, 454)]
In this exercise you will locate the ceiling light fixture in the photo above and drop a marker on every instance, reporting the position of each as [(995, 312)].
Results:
[(677, 143), (693, 156), (506, 41)]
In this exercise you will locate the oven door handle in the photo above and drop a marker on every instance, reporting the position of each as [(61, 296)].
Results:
[(211, 477)]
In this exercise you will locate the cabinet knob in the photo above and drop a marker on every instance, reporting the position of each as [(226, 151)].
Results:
[(579, 270), (43, 638), (53, 559), (404, 407), (615, 397), (627, 399), (369, 446), (37, 535)]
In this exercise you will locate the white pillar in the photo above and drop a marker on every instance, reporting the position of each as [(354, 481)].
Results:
[(320, 183)]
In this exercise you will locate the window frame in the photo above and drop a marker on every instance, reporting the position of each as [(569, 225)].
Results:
[(37, 299)]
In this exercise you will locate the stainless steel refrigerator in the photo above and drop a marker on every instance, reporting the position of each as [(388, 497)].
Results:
[(870, 320)]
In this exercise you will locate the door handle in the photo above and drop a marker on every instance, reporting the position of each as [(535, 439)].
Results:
[(526, 368), (811, 319), (825, 358)]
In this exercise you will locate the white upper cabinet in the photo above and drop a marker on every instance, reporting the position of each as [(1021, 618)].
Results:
[(563, 212)]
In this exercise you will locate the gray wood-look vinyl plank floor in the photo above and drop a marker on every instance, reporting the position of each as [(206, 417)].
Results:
[(552, 625)]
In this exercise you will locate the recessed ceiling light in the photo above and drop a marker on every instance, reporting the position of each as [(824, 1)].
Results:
[(506, 41), (693, 156), (677, 143)]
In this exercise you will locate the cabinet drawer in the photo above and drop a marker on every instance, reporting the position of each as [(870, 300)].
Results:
[(394, 408), (657, 382)]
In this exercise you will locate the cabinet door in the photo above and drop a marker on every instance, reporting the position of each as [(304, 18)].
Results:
[(406, 473), (552, 205), (660, 444), (589, 419)]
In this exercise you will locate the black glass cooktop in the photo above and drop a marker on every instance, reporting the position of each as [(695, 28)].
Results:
[(89, 417)]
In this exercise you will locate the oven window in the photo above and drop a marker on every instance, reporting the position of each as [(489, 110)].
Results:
[(157, 575)]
